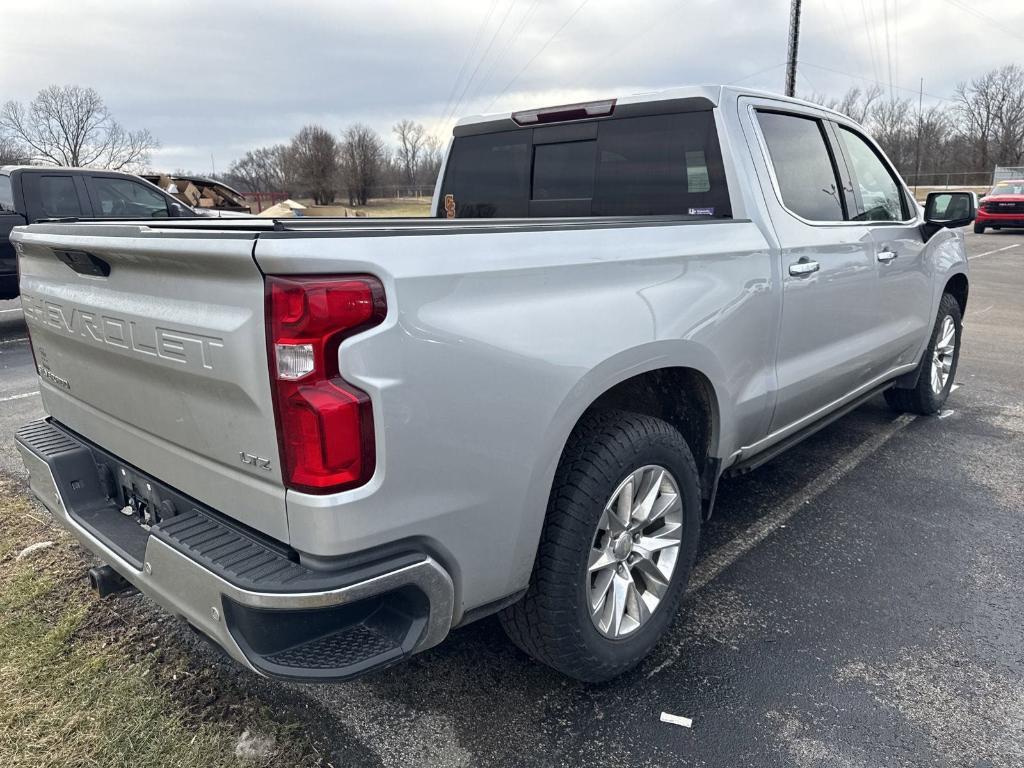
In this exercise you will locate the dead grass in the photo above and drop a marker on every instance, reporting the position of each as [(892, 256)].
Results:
[(403, 208), (85, 683)]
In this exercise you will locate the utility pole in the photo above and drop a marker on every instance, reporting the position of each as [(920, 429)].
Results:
[(920, 125), (794, 43)]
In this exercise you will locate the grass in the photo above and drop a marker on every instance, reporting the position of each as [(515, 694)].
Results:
[(384, 207), (85, 683), (402, 207)]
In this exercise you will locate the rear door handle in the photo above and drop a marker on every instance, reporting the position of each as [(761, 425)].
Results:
[(886, 256), (803, 267)]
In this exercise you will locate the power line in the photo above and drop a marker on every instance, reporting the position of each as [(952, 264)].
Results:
[(509, 43), (465, 62), (876, 82), (487, 51), (755, 74), (543, 48), (982, 15)]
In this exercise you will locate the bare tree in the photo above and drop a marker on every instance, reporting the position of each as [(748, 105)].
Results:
[(991, 116), (12, 152), (363, 156), (411, 139), (430, 159), (71, 126), (855, 103), (317, 163), (265, 169)]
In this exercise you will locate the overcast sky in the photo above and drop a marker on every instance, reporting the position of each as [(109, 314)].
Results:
[(218, 78)]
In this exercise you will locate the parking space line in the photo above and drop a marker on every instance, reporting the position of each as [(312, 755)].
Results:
[(712, 565), (14, 341), (18, 397), (5, 311), (708, 569), (989, 253)]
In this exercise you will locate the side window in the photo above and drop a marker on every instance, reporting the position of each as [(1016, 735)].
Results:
[(880, 198), (126, 199), (803, 165), (6, 195), (58, 197)]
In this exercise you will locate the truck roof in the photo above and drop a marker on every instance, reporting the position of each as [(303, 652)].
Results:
[(714, 94), (7, 170)]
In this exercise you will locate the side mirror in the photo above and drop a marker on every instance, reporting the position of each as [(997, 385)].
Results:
[(948, 210), (179, 210)]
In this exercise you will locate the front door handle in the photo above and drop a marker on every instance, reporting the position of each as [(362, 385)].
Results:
[(886, 256), (803, 268)]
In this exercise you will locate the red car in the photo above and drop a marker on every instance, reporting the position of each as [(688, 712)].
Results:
[(1002, 207)]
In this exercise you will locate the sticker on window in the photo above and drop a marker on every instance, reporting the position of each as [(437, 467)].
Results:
[(702, 211), (449, 206)]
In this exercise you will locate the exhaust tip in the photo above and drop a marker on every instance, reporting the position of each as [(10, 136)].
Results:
[(106, 582)]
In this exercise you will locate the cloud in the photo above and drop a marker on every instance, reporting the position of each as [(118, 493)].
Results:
[(218, 78)]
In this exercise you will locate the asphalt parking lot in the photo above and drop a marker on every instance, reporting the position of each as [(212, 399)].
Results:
[(859, 601)]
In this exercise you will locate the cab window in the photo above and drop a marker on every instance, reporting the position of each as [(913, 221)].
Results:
[(803, 165), (6, 195), (878, 194), (58, 197), (126, 199)]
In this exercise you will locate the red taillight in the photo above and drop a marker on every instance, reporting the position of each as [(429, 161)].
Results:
[(324, 424)]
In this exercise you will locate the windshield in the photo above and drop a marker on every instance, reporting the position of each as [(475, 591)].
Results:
[(1008, 188)]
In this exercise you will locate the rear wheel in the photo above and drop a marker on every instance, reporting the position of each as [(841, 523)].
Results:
[(619, 540), (938, 365), (979, 229)]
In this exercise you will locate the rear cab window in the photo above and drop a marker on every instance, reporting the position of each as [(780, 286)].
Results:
[(643, 165)]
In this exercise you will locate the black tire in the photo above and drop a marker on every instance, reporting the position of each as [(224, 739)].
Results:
[(979, 229), (552, 622), (923, 399), (8, 287)]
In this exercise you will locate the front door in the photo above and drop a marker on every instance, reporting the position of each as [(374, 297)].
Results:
[(826, 263), (904, 283)]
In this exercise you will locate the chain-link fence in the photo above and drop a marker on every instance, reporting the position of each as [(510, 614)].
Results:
[(949, 179)]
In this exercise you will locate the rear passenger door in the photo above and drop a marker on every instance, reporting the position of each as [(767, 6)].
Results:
[(826, 262), (904, 284)]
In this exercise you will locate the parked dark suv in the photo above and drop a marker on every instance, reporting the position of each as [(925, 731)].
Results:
[(33, 193)]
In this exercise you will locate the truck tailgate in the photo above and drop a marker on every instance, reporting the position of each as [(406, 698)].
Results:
[(152, 345)]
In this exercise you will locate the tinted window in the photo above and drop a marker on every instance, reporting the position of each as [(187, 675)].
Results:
[(661, 164), (880, 198), (803, 166), (126, 199), (58, 197), (490, 175), (664, 164), (563, 171), (6, 194)]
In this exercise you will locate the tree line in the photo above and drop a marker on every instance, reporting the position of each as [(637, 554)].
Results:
[(321, 165), (979, 127)]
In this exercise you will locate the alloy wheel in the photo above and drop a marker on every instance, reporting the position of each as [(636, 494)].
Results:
[(942, 356), (634, 552)]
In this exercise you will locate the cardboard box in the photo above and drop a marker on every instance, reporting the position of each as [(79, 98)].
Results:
[(205, 202), (189, 192)]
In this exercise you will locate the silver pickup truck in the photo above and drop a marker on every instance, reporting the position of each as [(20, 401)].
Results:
[(325, 444)]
